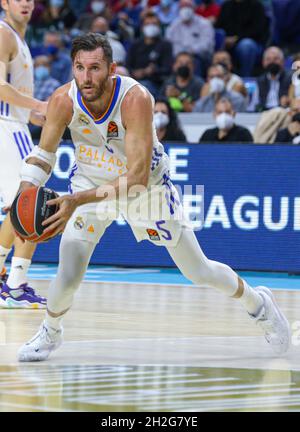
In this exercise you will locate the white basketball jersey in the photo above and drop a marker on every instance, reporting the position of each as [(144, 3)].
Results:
[(99, 143), (20, 76)]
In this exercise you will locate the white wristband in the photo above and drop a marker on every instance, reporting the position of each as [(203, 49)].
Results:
[(33, 174)]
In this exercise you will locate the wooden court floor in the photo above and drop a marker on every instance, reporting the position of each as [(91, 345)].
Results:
[(142, 347)]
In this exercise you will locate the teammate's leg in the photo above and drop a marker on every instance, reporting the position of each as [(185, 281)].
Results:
[(259, 302), (15, 291)]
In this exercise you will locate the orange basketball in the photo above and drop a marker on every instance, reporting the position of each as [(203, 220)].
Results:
[(29, 210)]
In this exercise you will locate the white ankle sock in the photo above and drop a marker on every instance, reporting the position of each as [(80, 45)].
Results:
[(3, 255), (53, 323), (18, 272), (251, 300)]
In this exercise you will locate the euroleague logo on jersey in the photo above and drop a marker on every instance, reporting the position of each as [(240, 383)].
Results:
[(112, 130)]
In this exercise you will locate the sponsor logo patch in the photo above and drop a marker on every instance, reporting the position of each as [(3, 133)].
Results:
[(112, 130), (153, 234)]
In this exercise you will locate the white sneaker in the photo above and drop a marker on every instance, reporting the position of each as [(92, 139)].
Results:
[(41, 345), (272, 321)]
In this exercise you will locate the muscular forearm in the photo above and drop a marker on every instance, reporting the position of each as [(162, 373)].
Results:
[(12, 96)]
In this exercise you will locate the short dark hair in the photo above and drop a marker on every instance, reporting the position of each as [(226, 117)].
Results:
[(186, 53), (150, 14), (90, 42)]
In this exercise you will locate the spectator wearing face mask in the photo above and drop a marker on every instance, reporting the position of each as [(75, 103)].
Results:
[(167, 11), (166, 122), (45, 84), (226, 130), (100, 25), (274, 83), (291, 134), (233, 81), (149, 59), (183, 88), (193, 34), (209, 9), (217, 90), (61, 65)]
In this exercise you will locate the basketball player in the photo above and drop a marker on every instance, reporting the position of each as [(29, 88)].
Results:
[(111, 121), (17, 107)]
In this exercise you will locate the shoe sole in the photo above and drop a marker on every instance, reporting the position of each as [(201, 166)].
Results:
[(269, 293), (23, 304)]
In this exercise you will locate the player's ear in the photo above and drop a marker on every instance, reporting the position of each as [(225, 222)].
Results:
[(112, 68)]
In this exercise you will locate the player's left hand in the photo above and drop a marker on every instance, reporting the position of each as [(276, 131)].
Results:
[(37, 118), (57, 222)]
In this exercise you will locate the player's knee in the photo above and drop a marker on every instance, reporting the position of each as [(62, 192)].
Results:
[(202, 275)]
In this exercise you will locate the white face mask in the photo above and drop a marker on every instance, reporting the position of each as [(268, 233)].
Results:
[(186, 14), (161, 120), (224, 121), (97, 7), (216, 85), (151, 30)]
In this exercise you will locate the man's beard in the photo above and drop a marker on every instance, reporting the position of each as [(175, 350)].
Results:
[(97, 90)]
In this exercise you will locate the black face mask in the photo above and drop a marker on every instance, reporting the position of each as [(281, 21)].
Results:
[(296, 117), (273, 68), (183, 72)]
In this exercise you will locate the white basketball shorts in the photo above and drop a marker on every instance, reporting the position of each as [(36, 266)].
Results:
[(15, 144), (155, 215)]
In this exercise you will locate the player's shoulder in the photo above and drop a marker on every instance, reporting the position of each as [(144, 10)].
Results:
[(137, 95), (7, 38), (61, 102), (61, 94)]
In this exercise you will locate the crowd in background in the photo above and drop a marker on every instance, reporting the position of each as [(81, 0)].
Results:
[(199, 56)]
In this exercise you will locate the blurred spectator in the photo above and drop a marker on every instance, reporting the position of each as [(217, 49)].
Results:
[(286, 20), (78, 6), (149, 59), (61, 15), (269, 124), (167, 12), (166, 122), (226, 130), (294, 90), (98, 8), (183, 88), (233, 82), (194, 34), (291, 134), (100, 25), (133, 10), (124, 28), (44, 84), (217, 90), (274, 83), (246, 27), (209, 9), (122, 70), (61, 65)]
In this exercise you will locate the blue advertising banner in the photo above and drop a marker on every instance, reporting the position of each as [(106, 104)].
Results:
[(251, 207)]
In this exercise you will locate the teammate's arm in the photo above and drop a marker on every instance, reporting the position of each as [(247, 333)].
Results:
[(137, 120), (7, 92), (39, 163)]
